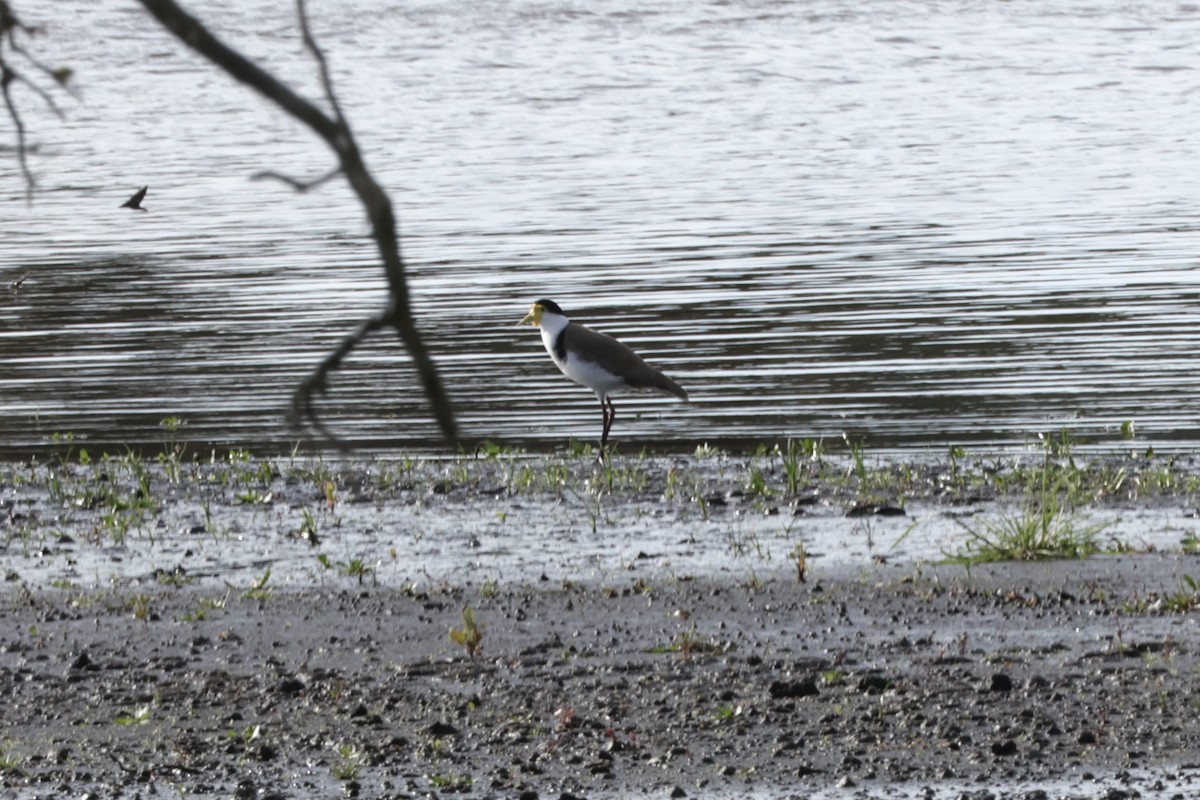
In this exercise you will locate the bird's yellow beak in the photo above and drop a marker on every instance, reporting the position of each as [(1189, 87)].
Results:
[(534, 317)]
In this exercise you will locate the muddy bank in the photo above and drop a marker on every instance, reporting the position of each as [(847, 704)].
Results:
[(1042, 680), (253, 629)]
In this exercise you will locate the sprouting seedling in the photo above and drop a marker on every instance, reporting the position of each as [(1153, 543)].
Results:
[(350, 761), (259, 591), (800, 559), (791, 465), (139, 717), (471, 635)]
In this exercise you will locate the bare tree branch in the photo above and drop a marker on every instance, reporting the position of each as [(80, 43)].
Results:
[(337, 134), (6, 78), (303, 406), (40, 92), (322, 64), (295, 183), (10, 27)]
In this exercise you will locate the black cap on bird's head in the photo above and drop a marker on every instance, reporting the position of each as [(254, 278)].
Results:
[(534, 317)]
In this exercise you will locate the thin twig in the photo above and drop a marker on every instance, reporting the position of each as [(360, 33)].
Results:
[(322, 64), (6, 79), (298, 185), (42, 93), (316, 383), (10, 26)]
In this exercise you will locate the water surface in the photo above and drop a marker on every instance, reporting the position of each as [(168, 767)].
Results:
[(914, 224)]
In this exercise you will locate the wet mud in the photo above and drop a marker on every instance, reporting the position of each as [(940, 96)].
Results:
[(864, 677)]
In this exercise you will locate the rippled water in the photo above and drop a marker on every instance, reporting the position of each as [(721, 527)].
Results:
[(915, 223)]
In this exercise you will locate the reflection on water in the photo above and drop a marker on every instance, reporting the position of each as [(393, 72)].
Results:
[(915, 226)]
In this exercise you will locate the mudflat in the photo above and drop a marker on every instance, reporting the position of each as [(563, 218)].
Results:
[(226, 673)]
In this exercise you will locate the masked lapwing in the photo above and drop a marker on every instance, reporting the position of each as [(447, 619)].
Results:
[(597, 361)]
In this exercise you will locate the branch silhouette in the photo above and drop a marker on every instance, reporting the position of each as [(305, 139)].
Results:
[(335, 131), (12, 31)]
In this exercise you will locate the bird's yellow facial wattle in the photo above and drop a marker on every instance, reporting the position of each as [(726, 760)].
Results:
[(534, 317)]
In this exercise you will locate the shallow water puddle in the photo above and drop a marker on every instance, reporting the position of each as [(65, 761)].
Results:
[(437, 530)]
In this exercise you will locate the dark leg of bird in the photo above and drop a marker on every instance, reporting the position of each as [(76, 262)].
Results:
[(610, 413)]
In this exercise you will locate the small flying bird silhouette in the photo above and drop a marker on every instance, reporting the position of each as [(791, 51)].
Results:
[(136, 200)]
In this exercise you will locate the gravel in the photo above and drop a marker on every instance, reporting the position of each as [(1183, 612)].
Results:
[(1046, 680)]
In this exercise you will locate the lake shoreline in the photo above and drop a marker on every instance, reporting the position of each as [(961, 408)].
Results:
[(719, 625)]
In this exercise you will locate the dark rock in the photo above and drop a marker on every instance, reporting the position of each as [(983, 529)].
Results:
[(874, 510), (1005, 748), (873, 684), (84, 662), (1001, 683), (440, 729), (782, 689), (292, 685)]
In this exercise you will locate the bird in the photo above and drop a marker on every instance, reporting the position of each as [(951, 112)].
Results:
[(595, 360), (135, 202)]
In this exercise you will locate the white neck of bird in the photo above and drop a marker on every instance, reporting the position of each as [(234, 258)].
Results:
[(552, 324)]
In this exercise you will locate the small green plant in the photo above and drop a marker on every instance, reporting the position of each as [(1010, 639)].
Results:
[(173, 577), (10, 759), (957, 454), (250, 734), (689, 642), (1186, 598), (576, 448), (356, 568), (725, 714), (349, 762), (451, 783), (756, 485), (790, 456), (171, 457), (470, 636), (1039, 531), (857, 448), (259, 589), (139, 717), (203, 606), (253, 497), (139, 604), (307, 532)]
